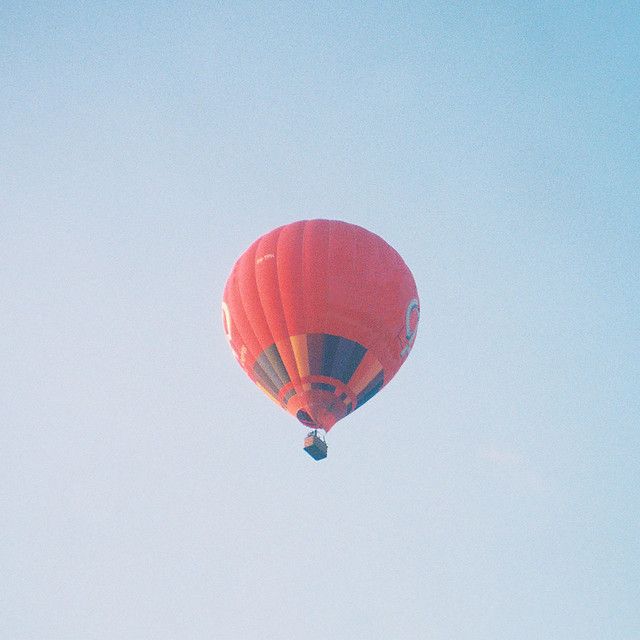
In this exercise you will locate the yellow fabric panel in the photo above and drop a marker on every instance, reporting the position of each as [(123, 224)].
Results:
[(367, 370), (267, 393), (299, 346)]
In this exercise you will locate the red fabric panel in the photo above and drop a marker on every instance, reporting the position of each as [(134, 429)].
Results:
[(268, 287), (289, 262), (321, 277)]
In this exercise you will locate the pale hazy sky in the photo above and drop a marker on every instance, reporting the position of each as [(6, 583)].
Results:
[(149, 490)]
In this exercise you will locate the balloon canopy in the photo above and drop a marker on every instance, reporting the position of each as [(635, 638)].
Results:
[(320, 314)]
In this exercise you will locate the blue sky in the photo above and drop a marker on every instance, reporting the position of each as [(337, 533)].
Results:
[(148, 490)]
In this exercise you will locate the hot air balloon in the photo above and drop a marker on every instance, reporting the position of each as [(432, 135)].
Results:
[(320, 314)]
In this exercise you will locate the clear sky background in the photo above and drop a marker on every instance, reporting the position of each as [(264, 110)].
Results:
[(149, 490)]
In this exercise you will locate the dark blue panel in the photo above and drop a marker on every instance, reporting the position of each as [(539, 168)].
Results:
[(329, 346), (370, 390), (323, 385), (315, 350), (347, 357)]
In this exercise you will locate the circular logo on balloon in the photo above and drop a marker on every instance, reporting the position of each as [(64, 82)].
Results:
[(411, 317)]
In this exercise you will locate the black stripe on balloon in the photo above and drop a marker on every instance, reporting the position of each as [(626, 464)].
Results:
[(287, 396), (265, 380), (315, 350), (270, 370), (324, 386), (275, 359), (370, 390)]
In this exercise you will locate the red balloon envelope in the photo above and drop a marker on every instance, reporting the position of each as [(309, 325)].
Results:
[(320, 314)]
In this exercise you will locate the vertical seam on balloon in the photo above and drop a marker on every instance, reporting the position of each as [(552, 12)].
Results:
[(328, 279), (303, 252), (247, 315), (303, 302), (373, 266), (264, 317), (279, 309), (292, 374), (236, 286), (298, 373)]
